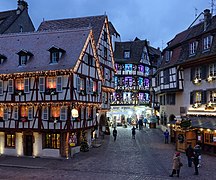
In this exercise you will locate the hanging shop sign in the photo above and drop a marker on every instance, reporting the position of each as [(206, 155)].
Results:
[(185, 123)]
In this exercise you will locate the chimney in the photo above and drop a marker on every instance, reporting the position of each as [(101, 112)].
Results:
[(207, 18), (21, 6)]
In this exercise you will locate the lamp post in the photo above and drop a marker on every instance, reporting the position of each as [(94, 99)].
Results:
[(152, 93), (74, 114)]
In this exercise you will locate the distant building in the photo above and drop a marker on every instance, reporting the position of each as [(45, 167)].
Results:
[(133, 63), (185, 84), (17, 20)]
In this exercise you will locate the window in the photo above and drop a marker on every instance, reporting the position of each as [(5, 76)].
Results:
[(1, 113), (126, 54), (207, 41), (23, 60), (45, 113), (170, 99), (1, 87), (168, 55), (30, 113), (19, 84), (63, 113), (41, 84), (55, 54), (2, 58), (166, 76), (51, 82), (128, 67), (52, 141), (94, 86), (10, 86), (105, 53), (59, 84), (91, 61), (212, 96), (16, 114), (212, 70), (26, 85), (198, 72), (5, 117), (105, 36), (193, 48), (10, 140), (198, 96)]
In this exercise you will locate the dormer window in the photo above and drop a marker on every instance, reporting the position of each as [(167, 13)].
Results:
[(207, 42), (126, 54), (193, 48), (168, 56), (24, 56), (55, 54), (2, 58)]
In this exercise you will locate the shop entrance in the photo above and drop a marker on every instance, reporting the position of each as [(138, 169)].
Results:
[(28, 145)]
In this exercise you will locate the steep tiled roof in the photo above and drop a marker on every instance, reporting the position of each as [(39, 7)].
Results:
[(112, 29), (6, 19), (96, 22), (38, 43), (179, 45), (135, 48)]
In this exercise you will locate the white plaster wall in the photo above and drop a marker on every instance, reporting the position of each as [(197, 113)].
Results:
[(2, 142), (37, 145)]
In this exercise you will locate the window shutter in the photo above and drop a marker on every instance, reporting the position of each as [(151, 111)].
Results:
[(87, 86), (1, 87), (203, 71), (91, 87), (45, 113), (30, 113), (10, 86), (203, 97), (78, 84), (191, 98), (59, 84), (42, 84), (99, 87), (192, 74), (5, 117), (86, 116), (26, 85), (63, 113), (16, 113), (82, 113)]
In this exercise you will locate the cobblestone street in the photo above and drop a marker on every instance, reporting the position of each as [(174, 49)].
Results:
[(146, 157)]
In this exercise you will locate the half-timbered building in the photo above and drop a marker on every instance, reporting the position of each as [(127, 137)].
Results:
[(46, 77), (103, 39), (18, 20), (133, 63), (185, 84)]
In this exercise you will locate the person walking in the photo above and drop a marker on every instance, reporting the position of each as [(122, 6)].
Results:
[(190, 154), (145, 121), (114, 134), (197, 149), (166, 136), (176, 164), (133, 132), (196, 162)]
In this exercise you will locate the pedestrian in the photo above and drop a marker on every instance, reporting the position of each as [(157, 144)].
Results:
[(145, 121), (133, 132), (176, 164), (196, 162), (140, 123), (114, 134), (166, 136), (197, 149), (190, 154)]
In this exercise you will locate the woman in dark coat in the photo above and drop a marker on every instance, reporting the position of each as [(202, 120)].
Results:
[(176, 164)]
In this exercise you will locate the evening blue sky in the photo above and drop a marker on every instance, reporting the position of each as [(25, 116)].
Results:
[(158, 21)]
